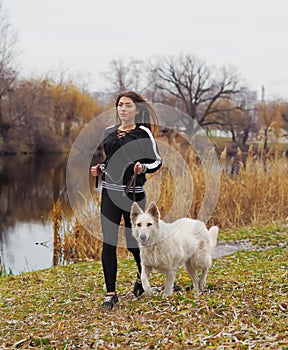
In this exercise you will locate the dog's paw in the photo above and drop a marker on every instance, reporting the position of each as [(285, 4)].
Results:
[(168, 293), (148, 291), (147, 288), (202, 288)]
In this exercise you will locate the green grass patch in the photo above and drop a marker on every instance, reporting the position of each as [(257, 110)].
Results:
[(261, 236), (244, 306)]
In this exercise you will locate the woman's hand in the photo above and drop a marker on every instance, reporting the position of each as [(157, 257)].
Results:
[(138, 168), (95, 170)]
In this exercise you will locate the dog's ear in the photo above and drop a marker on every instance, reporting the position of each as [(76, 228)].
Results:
[(153, 211), (135, 211)]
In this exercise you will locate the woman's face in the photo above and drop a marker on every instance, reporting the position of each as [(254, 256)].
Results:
[(126, 110)]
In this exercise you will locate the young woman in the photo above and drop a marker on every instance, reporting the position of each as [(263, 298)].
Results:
[(131, 152)]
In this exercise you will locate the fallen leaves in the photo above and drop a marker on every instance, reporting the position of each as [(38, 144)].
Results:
[(244, 306)]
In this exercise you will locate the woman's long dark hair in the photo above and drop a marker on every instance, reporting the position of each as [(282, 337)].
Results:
[(146, 115)]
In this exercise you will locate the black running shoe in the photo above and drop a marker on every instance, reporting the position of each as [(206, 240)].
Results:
[(176, 288), (109, 302), (138, 289)]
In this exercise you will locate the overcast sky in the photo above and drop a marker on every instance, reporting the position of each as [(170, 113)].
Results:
[(83, 36)]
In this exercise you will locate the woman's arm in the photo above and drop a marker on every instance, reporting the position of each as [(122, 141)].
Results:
[(152, 161)]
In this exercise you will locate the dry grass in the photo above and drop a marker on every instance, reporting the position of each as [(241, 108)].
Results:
[(255, 194)]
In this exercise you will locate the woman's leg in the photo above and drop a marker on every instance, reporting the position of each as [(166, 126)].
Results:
[(109, 263), (110, 220), (132, 244)]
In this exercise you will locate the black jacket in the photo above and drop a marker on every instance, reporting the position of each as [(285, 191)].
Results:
[(122, 154)]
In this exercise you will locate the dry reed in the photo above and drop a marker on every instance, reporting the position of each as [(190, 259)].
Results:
[(253, 191), (256, 195)]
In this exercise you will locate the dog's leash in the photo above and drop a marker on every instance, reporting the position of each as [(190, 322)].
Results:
[(96, 180), (132, 184), (100, 171)]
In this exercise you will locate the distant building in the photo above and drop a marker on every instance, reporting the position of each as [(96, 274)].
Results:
[(245, 99), (262, 94)]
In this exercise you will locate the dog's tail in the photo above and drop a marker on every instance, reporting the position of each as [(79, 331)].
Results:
[(213, 235)]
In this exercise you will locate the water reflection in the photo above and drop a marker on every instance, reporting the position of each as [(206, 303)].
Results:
[(27, 247), (29, 185)]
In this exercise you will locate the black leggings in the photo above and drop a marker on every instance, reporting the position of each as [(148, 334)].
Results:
[(113, 206)]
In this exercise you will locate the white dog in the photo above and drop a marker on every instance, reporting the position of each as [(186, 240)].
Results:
[(165, 246)]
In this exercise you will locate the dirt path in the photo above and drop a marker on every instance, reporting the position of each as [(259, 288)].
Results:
[(227, 248)]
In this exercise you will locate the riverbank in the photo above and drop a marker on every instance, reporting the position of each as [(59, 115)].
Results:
[(244, 305)]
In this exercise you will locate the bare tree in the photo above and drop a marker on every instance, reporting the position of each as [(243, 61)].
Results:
[(245, 101), (195, 87), (32, 116), (284, 119), (270, 119), (126, 76), (7, 55)]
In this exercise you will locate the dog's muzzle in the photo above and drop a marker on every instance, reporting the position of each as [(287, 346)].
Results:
[(143, 239)]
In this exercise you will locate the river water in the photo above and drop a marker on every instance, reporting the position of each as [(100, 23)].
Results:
[(29, 185)]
